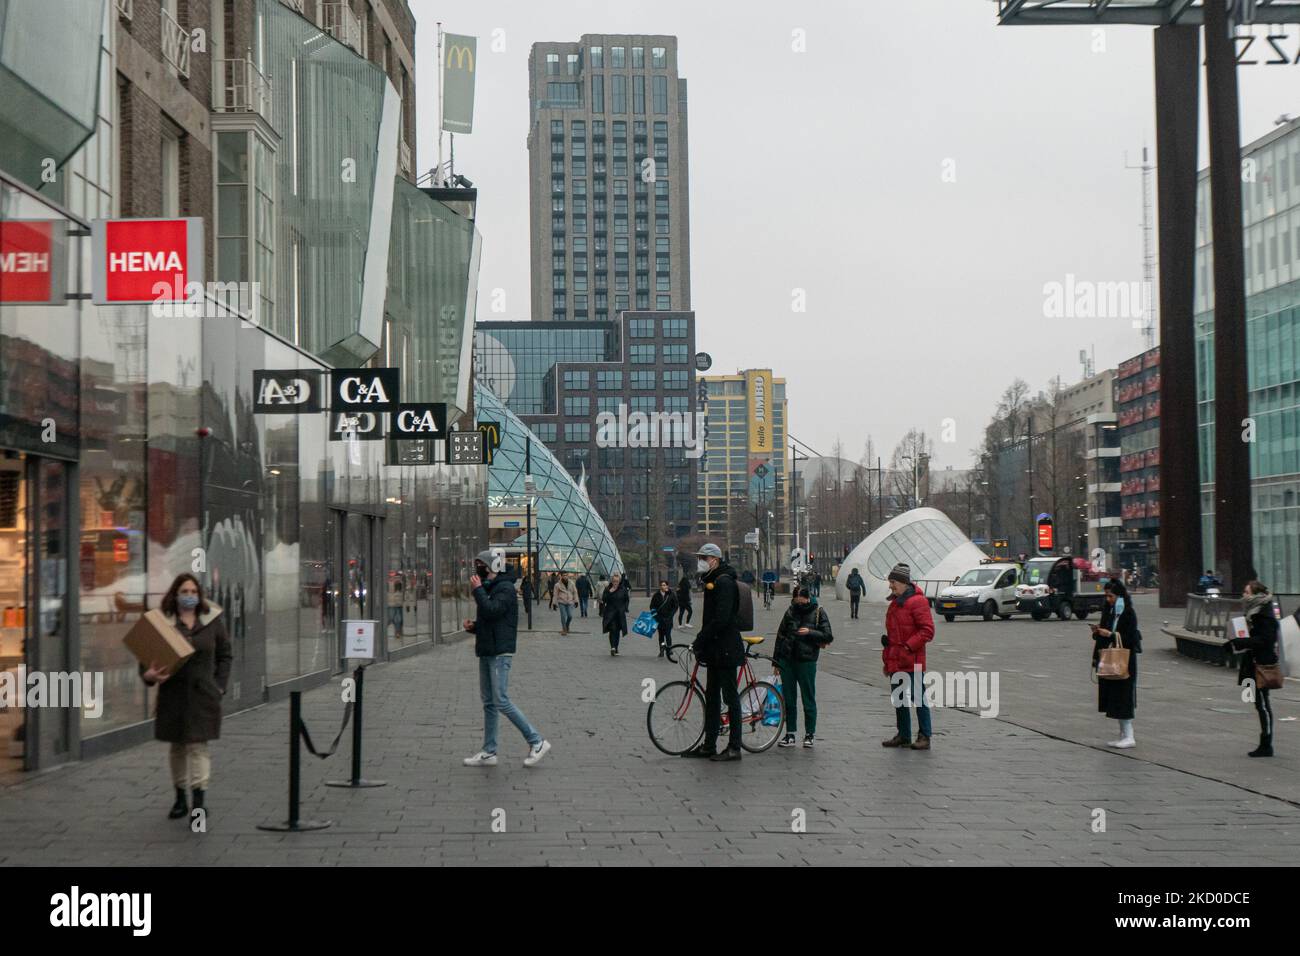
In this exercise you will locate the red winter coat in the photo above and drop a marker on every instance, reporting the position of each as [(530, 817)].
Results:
[(910, 627)]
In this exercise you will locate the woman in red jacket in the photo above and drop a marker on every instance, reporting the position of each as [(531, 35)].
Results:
[(910, 627)]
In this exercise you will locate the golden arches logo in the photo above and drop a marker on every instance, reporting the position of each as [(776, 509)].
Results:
[(456, 56)]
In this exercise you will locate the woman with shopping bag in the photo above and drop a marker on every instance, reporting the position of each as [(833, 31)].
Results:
[(1116, 644), (1260, 661)]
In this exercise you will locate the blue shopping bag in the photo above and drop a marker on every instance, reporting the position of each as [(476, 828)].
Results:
[(646, 624), (771, 706)]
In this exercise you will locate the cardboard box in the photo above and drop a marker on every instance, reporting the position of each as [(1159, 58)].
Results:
[(154, 641)]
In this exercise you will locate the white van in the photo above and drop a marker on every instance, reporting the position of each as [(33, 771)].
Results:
[(987, 590)]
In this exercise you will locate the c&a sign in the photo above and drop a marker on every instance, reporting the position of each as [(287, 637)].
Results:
[(365, 389), (420, 420), (289, 391), (146, 260)]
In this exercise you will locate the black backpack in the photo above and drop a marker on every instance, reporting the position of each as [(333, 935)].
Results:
[(744, 606)]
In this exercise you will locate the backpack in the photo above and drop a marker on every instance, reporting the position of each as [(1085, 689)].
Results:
[(744, 606)]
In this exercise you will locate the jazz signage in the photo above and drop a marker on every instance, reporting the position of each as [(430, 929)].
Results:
[(365, 389), (420, 420), (146, 260), (286, 391), (32, 263)]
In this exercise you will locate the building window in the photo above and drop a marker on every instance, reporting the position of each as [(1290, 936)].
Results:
[(577, 458), (579, 225), (642, 328), (643, 381), (545, 431), (597, 58), (557, 166), (579, 186), (616, 58), (611, 458), (552, 64), (674, 328), (577, 431), (609, 381), (658, 58), (643, 355), (170, 171), (597, 94), (663, 303), (621, 301), (576, 380), (577, 406), (676, 403), (638, 58), (660, 95), (674, 354), (638, 94), (557, 129), (562, 94), (619, 91), (662, 283), (572, 64), (643, 301)]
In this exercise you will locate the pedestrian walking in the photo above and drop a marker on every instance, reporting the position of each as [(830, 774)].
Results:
[(496, 631), (856, 587), (614, 601), (909, 626), (1117, 698), (684, 607), (526, 589), (805, 629), (565, 596), (1259, 663), (664, 604), (719, 648), (550, 590), (816, 584), (188, 713), (584, 593)]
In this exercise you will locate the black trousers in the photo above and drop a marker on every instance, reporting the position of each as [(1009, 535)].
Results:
[(666, 633), (1265, 711), (684, 609), (720, 684), (853, 603)]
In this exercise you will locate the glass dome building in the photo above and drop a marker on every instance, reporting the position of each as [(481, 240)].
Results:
[(923, 538), (568, 533)]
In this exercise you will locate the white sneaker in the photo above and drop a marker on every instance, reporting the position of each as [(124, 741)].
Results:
[(536, 754), (481, 759), (1124, 744)]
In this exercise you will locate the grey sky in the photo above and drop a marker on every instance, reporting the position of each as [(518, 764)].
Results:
[(823, 171)]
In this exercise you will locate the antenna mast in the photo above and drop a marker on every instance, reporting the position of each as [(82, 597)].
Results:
[(1148, 322)]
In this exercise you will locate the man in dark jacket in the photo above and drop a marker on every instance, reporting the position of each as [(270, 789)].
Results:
[(719, 648), (584, 593), (495, 631), (856, 586)]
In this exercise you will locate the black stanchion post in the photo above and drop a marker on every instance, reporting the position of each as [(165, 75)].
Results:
[(295, 774), (356, 781)]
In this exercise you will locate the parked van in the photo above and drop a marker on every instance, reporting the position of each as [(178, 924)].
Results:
[(987, 590)]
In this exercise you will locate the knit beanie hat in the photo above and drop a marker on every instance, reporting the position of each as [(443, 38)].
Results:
[(901, 573)]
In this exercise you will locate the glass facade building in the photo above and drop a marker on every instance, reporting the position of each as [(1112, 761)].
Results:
[(128, 435), (1271, 219), (568, 533)]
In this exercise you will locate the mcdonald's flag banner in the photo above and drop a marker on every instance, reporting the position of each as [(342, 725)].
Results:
[(458, 83)]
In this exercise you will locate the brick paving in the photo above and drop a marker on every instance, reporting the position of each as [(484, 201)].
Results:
[(1018, 789)]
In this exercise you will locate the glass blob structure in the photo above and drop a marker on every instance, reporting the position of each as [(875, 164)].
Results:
[(923, 538), (568, 533)]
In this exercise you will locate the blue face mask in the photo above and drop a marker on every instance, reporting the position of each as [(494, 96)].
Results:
[(1119, 607), (188, 601)]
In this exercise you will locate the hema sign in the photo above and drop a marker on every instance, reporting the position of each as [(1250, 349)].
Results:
[(289, 391), (32, 262), (140, 261)]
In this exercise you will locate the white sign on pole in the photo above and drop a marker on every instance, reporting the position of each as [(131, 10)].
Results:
[(359, 640)]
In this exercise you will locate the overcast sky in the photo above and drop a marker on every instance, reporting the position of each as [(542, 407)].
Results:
[(824, 171)]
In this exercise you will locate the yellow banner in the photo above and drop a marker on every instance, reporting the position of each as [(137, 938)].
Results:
[(758, 387)]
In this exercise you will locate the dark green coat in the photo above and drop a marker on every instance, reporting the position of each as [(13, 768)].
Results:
[(802, 648)]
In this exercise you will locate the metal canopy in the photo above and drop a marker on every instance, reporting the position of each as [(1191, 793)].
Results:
[(1147, 12)]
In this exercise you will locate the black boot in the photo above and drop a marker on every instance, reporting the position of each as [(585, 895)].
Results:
[(199, 794), (179, 808), (1265, 747)]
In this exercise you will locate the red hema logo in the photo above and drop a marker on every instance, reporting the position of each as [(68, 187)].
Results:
[(141, 253), (25, 253)]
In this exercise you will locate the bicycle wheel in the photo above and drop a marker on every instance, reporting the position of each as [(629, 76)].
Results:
[(675, 719), (762, 716)]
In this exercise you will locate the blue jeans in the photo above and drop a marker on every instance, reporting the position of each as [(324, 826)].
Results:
[(582, 604), (903, 685), (493, 679), (566, 615)]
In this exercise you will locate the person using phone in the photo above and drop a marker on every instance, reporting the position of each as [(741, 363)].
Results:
[(1260, 648), (1117, 699)]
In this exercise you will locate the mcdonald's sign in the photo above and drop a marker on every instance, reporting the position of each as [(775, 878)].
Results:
[(460, 53)]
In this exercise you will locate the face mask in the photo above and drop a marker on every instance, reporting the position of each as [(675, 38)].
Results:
[(188, 601), (481, 570), (703, 566)]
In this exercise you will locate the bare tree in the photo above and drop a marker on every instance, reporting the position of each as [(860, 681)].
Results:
[(908, 463)]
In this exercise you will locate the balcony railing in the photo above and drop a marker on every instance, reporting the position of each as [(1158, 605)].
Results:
[(404, 153), (242, 88), (338, 20), (175, 44), (126, 9)]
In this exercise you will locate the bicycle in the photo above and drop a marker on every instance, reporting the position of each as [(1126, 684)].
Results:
[(675, 720)]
